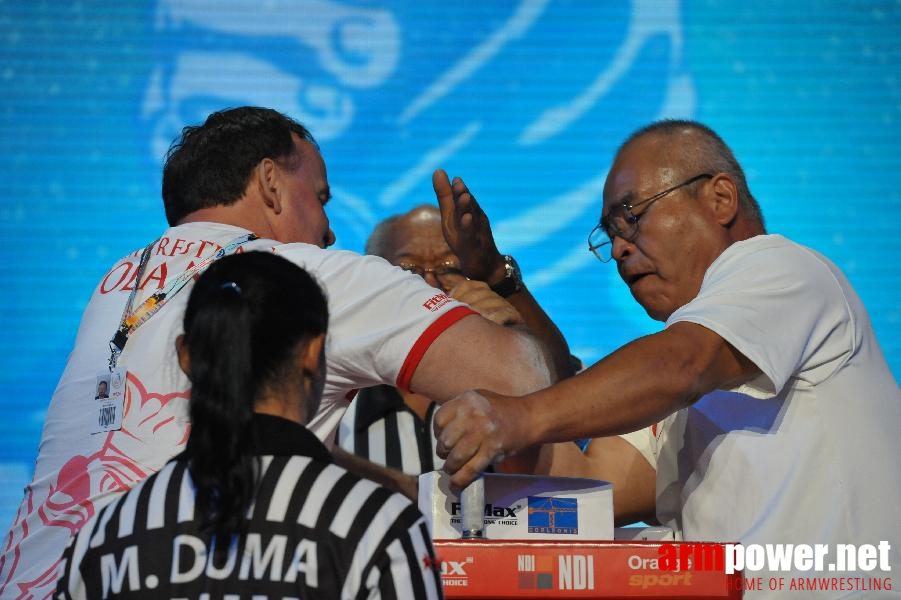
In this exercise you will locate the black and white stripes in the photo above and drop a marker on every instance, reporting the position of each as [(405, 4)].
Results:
[(379, 427), (313, 531)]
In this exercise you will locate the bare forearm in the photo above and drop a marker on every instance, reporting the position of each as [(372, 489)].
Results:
[(639, 384), (391, 478), (615, 460), (538, 323), (468, 233), (545, 331), (636, 386)]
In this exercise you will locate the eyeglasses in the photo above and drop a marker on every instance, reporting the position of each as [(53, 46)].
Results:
[(622, 222), (439, 271)]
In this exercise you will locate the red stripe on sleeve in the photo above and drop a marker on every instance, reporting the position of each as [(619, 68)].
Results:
[(425, 341)]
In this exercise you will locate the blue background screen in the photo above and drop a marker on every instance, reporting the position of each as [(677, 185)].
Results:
[(526, 100)]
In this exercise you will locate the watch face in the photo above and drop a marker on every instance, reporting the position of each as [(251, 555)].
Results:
[(512, 281), (512, 268)]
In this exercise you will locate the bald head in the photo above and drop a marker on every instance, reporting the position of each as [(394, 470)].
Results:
[(694, 148), (388, 235), (415, 241)]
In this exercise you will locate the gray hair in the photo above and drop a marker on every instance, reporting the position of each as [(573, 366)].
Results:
[(703, 152)]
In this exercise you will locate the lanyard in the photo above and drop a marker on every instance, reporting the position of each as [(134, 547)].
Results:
[(131, 320)]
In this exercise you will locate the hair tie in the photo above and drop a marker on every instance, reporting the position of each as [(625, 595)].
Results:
[(230, 285)]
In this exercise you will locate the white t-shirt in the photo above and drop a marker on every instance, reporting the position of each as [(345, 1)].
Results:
[(808, 452), (381, 322)]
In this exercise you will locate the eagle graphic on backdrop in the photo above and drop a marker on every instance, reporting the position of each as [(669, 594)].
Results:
[(369, 80)]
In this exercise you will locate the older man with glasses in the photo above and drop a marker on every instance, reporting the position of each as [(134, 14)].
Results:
[(774, 416), (393, 427)]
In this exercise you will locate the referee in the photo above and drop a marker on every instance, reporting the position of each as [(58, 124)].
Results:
[(254, 507)]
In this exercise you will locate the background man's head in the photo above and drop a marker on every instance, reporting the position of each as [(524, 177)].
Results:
[(682, 232), (415, 242)]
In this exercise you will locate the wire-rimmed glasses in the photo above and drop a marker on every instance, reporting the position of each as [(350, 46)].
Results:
[(439, 271), (622, 222)]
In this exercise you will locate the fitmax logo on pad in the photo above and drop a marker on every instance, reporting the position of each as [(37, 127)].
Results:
[(553, 515)]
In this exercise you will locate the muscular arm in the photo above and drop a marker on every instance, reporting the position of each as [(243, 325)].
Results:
[(543, 328), (633, 387), (476, 353)]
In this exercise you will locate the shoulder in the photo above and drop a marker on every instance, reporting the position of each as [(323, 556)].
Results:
[(118, 514), (343, 268), (353, 281), (773, 250), (770, 260), (312, 254)]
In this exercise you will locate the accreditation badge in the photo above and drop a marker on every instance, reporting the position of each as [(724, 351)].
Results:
[(109, 400)]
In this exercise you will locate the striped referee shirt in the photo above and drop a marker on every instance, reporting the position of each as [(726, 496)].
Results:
[(313, 531), (379, 426)]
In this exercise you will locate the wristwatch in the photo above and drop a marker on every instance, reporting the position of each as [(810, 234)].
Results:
[(512, 281)]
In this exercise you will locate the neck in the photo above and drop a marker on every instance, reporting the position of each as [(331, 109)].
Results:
[(278, 409), (285, 401), (239, 214), (743, 229)]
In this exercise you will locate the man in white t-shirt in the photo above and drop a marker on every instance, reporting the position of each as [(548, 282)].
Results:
[(780, 416), (247, 179)]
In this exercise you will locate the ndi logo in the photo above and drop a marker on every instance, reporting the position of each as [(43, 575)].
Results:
[(553, 515)]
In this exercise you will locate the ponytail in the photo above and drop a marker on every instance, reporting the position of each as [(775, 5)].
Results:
[(245, 318), (221, 408)]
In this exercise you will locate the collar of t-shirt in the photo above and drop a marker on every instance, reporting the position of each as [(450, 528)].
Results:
[(280, 437)]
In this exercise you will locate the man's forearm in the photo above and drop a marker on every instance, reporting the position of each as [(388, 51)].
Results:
[(545, 331), (636, 386), (390, 478)]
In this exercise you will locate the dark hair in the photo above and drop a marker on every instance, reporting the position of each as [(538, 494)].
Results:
[(705, 152), (245, 319), (210, 164)]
